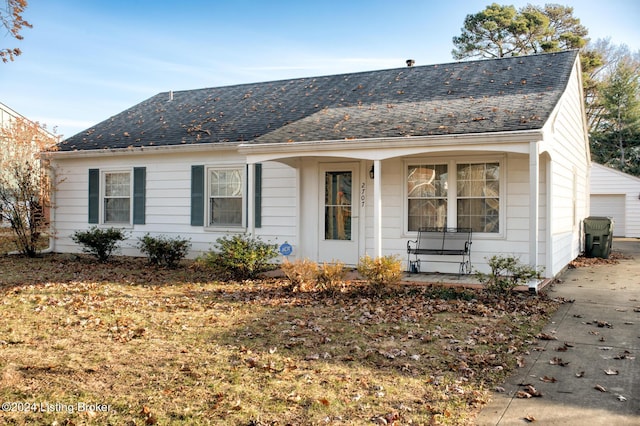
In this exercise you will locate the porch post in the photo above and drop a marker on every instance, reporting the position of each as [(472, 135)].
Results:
[(534, 202), (377, 208), (250, 199)]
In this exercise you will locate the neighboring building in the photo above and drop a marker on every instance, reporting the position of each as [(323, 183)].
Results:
[(345, 165), (7, 115), (617, 195)]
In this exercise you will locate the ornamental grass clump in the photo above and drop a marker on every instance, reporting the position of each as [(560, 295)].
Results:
[(380, 272), (301, 274)]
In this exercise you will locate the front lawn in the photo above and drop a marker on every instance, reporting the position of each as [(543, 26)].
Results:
[(125, 343)]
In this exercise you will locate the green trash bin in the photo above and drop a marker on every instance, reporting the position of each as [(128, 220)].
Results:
[(598, 233)]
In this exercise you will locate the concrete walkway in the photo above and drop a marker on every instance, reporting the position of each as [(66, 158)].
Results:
[(590, 375)]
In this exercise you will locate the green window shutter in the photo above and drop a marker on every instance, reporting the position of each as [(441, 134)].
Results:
[(139, 194), (197, 195), (94, 196), (258, 195)]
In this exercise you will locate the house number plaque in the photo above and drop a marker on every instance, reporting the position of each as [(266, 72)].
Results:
[(363, 194)]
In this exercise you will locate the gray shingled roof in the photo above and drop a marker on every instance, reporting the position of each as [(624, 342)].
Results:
[(496, 95)]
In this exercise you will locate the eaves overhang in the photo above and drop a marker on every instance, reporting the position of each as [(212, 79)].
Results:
[(380, 148), (163, 149), (371, 148)]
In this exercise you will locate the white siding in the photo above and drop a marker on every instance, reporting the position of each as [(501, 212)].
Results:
[(168, 199), (569, 176), (609, 182), (512, 240)]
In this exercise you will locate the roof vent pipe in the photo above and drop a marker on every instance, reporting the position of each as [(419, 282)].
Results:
[(170, 95), (410, 62)]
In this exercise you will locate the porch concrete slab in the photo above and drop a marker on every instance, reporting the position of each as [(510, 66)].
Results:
[(590, 372), (436, 278)]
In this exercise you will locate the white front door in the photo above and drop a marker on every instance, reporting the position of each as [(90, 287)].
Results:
[(338, 213)]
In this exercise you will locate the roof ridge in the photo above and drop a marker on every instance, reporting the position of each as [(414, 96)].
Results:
[(456, 63)]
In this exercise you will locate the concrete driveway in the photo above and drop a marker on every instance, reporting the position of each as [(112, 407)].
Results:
[(589, 375)]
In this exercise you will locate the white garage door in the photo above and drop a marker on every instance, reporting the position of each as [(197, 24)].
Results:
[(610, 205)]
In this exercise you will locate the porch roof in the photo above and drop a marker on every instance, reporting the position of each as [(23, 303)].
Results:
[(499, 95)]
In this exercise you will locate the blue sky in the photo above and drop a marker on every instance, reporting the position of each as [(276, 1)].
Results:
[(87, 60)]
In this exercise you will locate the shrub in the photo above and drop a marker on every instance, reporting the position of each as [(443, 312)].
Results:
[(240, 257), (330, 276), (381, 271), (164, 251), (99, 242), (301, 274), (506, 273)]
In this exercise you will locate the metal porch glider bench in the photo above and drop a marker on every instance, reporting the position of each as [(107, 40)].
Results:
[(447, 242)]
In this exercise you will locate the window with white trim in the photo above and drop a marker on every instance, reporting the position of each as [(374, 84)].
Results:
[(116, 198), (427, 192), (468, 198), (478, 196), (226, 192)]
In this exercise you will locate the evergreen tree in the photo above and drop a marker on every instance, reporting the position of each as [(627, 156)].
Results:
[(615, 140)]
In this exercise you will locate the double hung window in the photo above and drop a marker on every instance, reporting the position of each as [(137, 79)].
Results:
[(226, 197), (117, 197), (478, 196), (427, 193), (454, 194)]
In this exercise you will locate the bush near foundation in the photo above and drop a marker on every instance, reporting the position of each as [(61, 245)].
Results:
[(99, 242), (507, 273), (164, 251), (240, 257)]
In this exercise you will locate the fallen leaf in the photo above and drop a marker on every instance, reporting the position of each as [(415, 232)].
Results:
[(621, 398), (324, 401), (605, 348), (610, 372), (625, 355), (558, 361), (580, 374), (545, 336), (547, 379), (600, 388), (530, 419), (522, 394), (533, 391)]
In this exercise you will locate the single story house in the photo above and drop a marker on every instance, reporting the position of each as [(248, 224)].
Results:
[(616, 194), (341, 166)]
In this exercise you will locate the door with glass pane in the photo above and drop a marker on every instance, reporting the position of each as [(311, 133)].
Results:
[(338, 213)]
